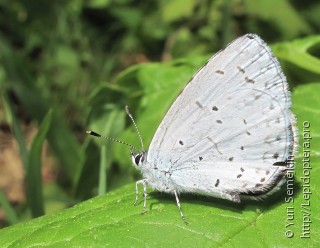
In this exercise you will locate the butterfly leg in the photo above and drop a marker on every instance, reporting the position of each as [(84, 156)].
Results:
[(179, 206), (145, 194)]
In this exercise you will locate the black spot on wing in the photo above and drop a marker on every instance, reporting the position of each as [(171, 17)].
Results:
[(241, 69), (249, 80), (199, 104), (271, 106), (217, 183), (257, 97), (215, 108), (280, 163)]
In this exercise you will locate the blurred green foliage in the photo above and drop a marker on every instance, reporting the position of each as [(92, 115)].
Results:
[(86, 60)]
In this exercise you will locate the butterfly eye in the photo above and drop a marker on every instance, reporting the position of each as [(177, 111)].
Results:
[(138, 158)]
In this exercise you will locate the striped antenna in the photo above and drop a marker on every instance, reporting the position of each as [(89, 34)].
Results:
[(111, 139), (134, 123)]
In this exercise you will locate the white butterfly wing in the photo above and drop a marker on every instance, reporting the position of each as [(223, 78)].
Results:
[(231, 128)]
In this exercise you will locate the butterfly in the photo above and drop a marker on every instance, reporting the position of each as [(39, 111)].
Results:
[(229, 134)]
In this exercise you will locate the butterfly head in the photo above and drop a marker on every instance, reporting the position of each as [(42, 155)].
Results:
[(138, 158)]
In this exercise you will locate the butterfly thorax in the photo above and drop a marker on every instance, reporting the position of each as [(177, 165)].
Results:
[(157, 179)]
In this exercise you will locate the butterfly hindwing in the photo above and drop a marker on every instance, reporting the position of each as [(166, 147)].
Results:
[(230, 125)]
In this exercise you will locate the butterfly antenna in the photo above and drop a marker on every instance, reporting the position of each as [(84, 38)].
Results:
[(111, 139), (134, 123)]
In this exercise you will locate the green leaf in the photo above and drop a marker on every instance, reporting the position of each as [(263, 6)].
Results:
[(177, 9), (33, 171), (8, 209), (104, 165), (307, 109), (113, 220), (11, 116), (98, 3), (288, 20), (298, 52)]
